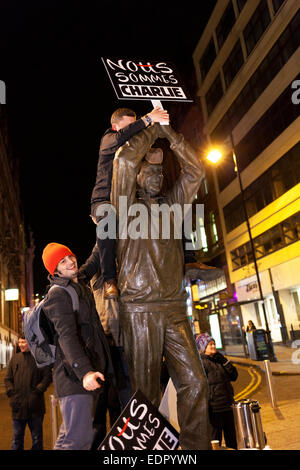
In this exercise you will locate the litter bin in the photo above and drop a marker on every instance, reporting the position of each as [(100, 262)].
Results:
[(248, 425), (258, 345)]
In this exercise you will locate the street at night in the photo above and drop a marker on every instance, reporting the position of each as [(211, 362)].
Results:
[(150, 222), (280, 424)]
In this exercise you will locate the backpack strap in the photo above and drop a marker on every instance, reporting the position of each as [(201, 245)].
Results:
[(72, 292)]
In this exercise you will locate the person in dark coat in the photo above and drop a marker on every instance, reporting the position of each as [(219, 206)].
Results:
[(220, 373), (124, 125), (82, 355), (25, 386)]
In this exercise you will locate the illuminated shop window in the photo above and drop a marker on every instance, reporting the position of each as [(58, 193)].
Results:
[(214, 228), (203, 234)]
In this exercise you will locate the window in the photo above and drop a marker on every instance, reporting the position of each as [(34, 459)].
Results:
[(258, 319), (214, 230), (203, 235), (295, 29), (214, 95), (225, 25), (233, 63), (297, 303), (277, 4), (275, 120), (286, 45), (291, 231), (257, 25), (266, 243), (207, 59), (204, 188), (240, 4), (278, 179), (233, 214)]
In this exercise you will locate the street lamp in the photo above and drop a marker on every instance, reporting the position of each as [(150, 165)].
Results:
[(10, 296), (214, 155)]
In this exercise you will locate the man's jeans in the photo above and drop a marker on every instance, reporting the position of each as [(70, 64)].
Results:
[(76, 431), (106, 246), (35, 424)]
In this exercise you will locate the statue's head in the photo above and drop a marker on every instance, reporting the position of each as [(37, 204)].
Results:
[(150, 176)]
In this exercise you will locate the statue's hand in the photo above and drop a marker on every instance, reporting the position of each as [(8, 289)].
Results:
[(201, 271)]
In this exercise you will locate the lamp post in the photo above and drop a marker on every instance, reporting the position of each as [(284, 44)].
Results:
[(213, 156)]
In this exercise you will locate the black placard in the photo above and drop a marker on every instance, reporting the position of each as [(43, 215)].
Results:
[(141, 427), (145, 80)]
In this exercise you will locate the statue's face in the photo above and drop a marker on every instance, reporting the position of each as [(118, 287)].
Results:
[(150, 179)]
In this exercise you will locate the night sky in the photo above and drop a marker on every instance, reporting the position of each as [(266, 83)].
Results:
[(59, 97)]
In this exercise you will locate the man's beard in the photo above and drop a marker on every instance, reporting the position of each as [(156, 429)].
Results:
[(71, 276)]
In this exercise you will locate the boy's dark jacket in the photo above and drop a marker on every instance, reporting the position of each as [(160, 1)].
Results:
[(220, 373), (110, 143), (25, 386), (79, 337)]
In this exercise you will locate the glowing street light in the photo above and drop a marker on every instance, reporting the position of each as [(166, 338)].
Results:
[(11, 294), (214, 155)]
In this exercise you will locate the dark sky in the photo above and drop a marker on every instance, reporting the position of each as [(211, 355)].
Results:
[(59, 98)]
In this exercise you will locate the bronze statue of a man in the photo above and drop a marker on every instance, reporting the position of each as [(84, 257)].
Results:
[(151, 272)]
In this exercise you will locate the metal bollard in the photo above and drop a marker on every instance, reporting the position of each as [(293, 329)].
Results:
[(248, 425), (54, 419), (270, 383)]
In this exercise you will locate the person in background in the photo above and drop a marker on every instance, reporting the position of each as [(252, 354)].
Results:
[(220, 373), (25, 386), (250, 326)]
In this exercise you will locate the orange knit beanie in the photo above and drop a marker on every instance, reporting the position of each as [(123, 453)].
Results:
[(53, 253)]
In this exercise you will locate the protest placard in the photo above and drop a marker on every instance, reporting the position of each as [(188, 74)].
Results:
[(145, 80), (141, 427)]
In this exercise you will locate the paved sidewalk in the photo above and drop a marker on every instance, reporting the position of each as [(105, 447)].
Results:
[(288, 360), (281, 424)]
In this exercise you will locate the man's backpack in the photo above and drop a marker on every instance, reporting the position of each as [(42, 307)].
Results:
[(39, 331)]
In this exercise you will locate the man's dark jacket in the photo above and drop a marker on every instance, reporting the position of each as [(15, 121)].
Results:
[(25, 386), (110, 143), (79, 337), (219, 377)]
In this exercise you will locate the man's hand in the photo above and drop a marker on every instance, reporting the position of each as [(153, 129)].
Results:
[(90, 382), (159, 115)]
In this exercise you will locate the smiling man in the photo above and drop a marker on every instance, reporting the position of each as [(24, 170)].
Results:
[(82, 356)]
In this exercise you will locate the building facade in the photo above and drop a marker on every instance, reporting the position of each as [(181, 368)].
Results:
[(203, 298), (247, 66), (12, 248)]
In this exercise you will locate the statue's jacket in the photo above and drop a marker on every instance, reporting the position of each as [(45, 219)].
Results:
[(151, 271)]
